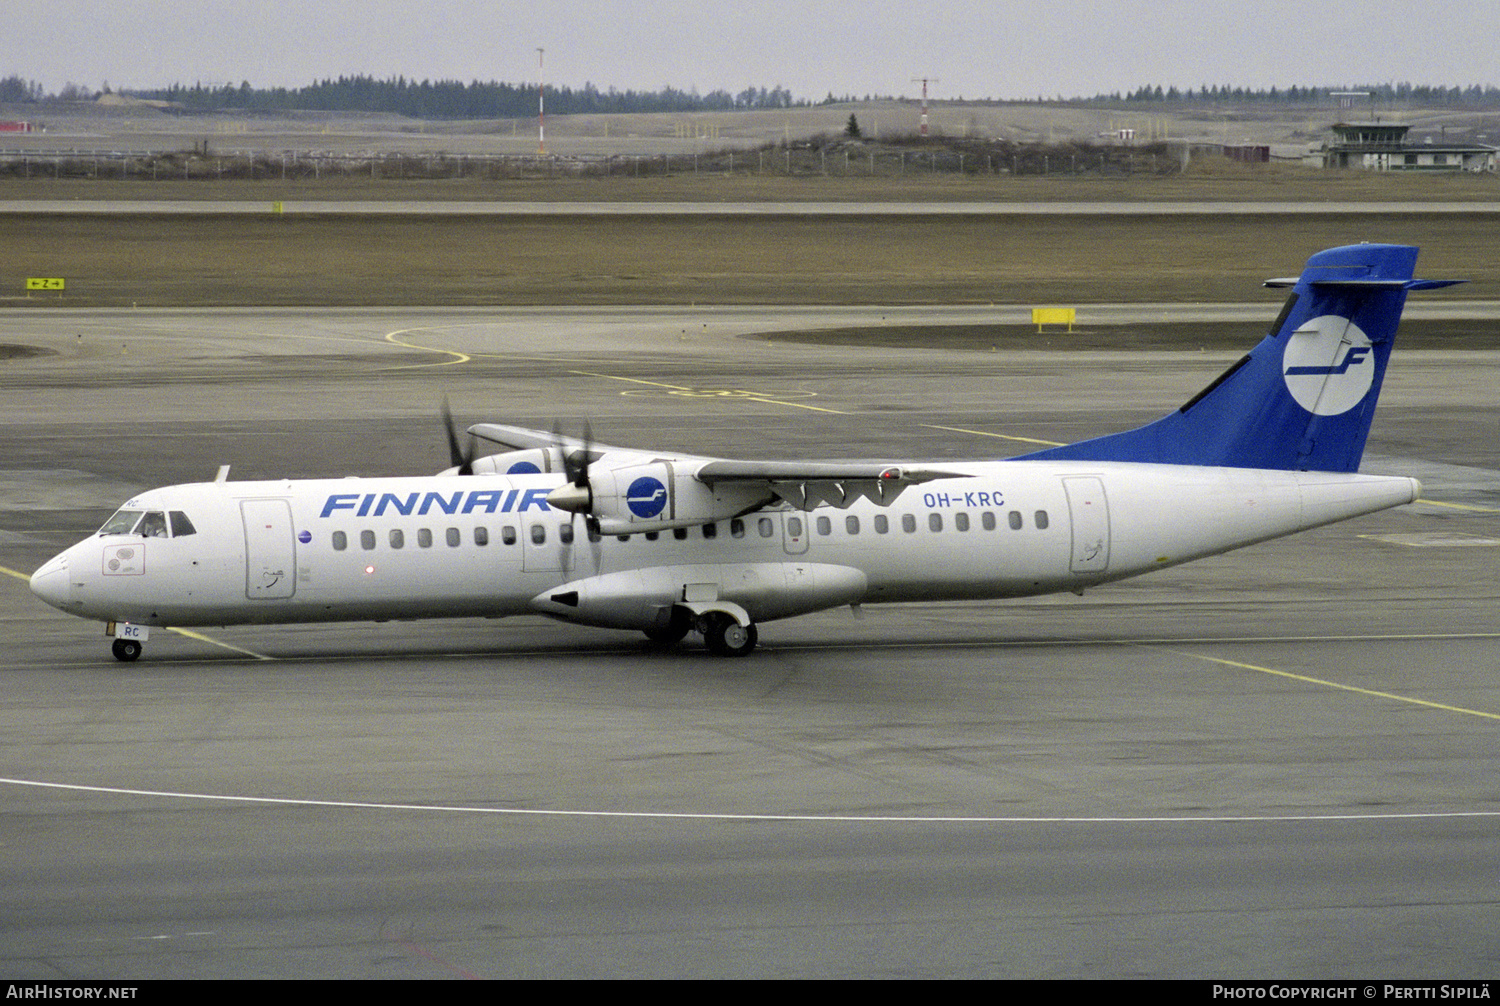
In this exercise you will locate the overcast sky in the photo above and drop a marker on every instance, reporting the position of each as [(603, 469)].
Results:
[(982, 48)]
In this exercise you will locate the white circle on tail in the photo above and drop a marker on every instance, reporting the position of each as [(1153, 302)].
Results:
[(1328, 365)]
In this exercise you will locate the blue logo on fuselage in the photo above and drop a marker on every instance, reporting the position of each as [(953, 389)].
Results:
[(646, 497)]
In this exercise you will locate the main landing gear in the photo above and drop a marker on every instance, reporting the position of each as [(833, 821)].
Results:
[(727, 638), (722, 633)]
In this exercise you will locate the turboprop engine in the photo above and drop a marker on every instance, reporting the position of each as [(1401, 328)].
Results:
[(655, 496)]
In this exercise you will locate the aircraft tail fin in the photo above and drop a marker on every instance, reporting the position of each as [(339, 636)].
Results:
[(1304, 398)]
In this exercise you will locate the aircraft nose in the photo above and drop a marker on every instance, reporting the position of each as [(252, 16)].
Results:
[(52, 584)]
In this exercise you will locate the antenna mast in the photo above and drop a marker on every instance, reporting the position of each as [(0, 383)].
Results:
[(924, 82), (541, 108)]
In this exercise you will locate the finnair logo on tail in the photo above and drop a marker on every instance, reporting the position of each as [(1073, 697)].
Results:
[(1328, 365)]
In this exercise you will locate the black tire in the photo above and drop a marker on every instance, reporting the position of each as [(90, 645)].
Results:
[(126, 649), (727, 638), (671, 633)]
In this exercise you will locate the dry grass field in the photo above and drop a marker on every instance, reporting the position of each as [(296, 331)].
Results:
[(1207, 179), (351, 260)]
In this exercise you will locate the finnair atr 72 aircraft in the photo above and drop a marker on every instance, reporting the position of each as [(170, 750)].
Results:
[(676, 543)]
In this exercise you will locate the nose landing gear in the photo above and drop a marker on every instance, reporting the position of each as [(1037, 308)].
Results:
[(126, 649), (129, 639)]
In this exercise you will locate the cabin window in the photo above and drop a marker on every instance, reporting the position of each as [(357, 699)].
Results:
[(934, 522), (507, 535), (539, 534), (121, 523), (765, 526), (987, 521), (851, 524), (340, 541), (454, 537), (481, 536), (1042, 520), (825, 526), (424, 537), (398, 538), (736, 528), (565, 533), (960, 522), (1015, 520), (908, 522), (882, 523), (710, 530), (794, 527), (367, 540), (180, 524)]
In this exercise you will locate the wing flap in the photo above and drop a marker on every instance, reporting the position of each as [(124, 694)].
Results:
[(808, 485)]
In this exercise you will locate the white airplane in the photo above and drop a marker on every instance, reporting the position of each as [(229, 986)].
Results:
[(676, 543)]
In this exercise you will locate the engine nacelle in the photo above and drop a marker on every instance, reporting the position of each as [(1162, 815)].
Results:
[(529, 462), (663, 494)]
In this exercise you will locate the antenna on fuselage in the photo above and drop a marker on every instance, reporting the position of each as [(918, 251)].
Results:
[(223, 475)]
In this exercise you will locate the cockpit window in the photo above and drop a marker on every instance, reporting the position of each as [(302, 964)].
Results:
[(147, 523), (153, 525), (121, 523)]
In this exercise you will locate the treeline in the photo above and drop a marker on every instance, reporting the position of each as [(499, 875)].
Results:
[(452, 99), (1473, 96)]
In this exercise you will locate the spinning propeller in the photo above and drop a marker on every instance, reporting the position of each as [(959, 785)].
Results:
[(462, 459)]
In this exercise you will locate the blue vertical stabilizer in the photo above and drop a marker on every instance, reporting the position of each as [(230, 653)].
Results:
[(1301, 400)]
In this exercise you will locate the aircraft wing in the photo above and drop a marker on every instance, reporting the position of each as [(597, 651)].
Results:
[(518, 438), (734, 487), (809, 484)]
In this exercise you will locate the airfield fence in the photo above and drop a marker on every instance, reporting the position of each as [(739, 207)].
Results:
[(849, 159)]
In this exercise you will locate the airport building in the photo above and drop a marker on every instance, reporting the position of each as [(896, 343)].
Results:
[(1383, 146)]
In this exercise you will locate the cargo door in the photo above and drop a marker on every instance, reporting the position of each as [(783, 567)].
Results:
[(1088, 514)]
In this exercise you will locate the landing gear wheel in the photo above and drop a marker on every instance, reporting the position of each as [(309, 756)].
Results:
[(678, 625), (727, 638), (126, 649)]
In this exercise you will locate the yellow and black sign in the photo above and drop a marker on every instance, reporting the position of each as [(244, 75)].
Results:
[(43, 284)]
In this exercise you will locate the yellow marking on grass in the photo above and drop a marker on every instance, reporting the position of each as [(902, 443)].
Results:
[(998, 436), (1334, 684)]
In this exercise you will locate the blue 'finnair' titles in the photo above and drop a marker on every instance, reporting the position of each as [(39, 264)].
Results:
[(421, 504)]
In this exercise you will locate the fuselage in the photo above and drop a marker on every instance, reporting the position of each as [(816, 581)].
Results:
[(224, 553)]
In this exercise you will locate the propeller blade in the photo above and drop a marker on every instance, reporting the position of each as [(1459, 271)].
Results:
[(588, 447), (462, 460)]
